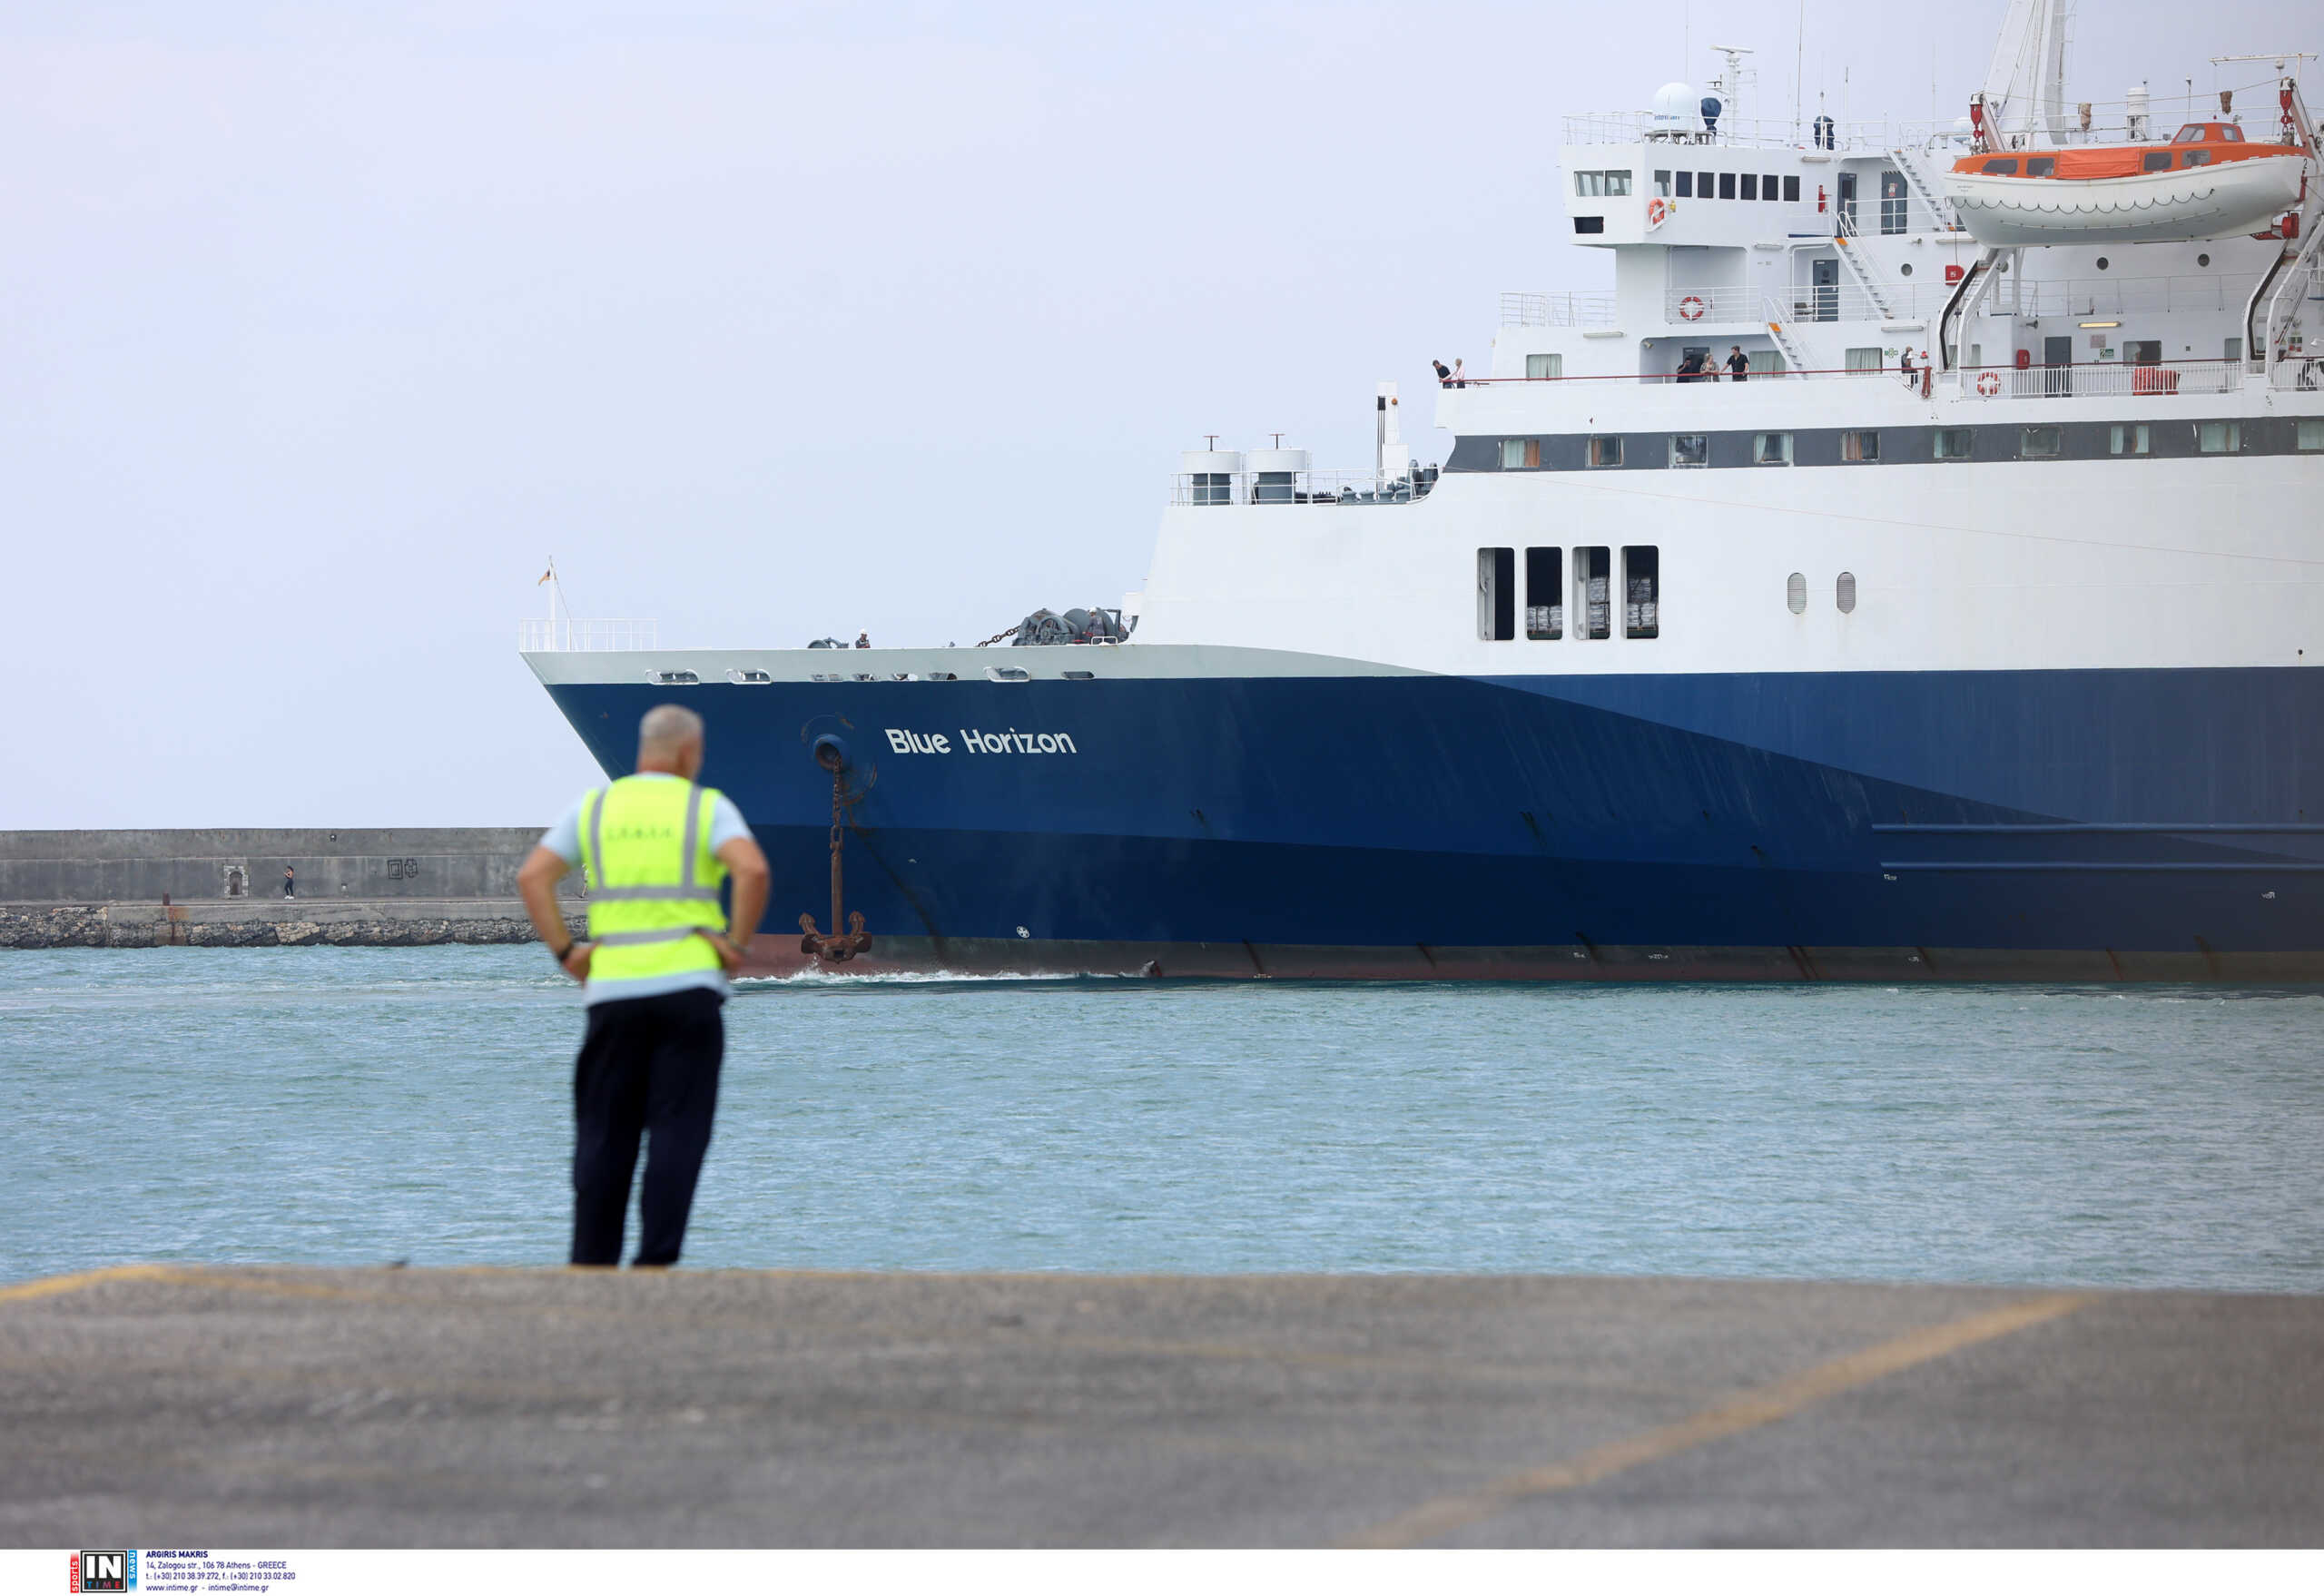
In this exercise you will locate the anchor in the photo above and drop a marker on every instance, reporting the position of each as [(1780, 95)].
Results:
[(840, 945)]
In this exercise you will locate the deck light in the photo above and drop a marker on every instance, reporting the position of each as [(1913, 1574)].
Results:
[(2101, 324)]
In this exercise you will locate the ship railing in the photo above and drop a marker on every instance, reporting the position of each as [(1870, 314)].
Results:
[(1579, 308), (1805, 302), (567, 635), (1759, 373), (2102, 379), (2114, 296), (1295, 487), (1762, 132), (2297, 374)]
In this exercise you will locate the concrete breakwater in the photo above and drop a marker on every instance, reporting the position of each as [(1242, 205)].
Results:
[(355, 887)]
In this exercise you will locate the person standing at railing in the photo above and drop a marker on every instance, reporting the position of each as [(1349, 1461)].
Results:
[(1738, 365), (1444, 374), (1691, 369), (1459, 379)]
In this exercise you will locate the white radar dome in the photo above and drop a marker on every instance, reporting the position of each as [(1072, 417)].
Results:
[(1677, 109)]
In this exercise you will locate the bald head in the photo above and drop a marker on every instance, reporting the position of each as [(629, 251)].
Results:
[(670, 739)]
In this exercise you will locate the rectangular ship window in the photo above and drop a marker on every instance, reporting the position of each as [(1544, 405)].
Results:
[(1859, 446), (1590, 185), (1591, 569), (1768, 187), (1663, 183), (1617, 184), (1641, 592), (1686, 185), (1750, 185), (1520, 453), (2128, 438), (1589, 224), (2039, 443), (1539, 365), (1690, 448), (1865, 361), (1726, 185), (2310, 436), (1771, 448), (1606, 449), (2219, 438), (1544, 595), (1703, 182), (1791, 187), (1955, 443), (1496, 595)]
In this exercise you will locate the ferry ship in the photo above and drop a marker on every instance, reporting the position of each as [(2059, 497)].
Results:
[(1906, 571)]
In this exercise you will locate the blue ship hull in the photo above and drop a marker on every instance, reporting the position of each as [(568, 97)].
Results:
[(2078, 824)]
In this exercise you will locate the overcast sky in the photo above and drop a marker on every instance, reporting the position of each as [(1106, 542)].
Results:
[(323, 328)]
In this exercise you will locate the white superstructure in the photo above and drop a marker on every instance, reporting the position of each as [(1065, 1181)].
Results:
[(1947, 454)]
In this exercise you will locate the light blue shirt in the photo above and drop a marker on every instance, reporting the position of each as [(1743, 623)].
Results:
[(564, 840)]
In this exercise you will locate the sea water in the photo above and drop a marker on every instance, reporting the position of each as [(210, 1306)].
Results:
[(363, 1105)]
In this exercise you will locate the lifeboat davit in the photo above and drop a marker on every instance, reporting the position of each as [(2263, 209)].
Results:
[(2206, 182)]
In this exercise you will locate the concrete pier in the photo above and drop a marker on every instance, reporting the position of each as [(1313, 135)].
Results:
[(261, 1407)]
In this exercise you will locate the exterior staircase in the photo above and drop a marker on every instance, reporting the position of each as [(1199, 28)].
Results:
[(1794, 353), (1926, 190), (1850, 242)]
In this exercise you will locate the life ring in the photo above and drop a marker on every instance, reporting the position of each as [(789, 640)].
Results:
[(1989, 384), (1691, 309)]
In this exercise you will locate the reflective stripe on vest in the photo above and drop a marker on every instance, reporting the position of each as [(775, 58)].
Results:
[(654, 889)]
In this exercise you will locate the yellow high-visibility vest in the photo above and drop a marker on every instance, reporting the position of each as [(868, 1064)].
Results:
[(652, 880)]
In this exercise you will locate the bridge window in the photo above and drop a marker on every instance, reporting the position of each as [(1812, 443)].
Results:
[(1686, 185), (2310, 437), (1496, 595), (2038, 443), (1690, 448), (1663, 183), (1955, 443), (1589, 224), (1768, 187), (1592, 568), (1539, 365), (1860, 446), (1606, 450), (1795, 594), (1726, 185), (1544, 595), (1592, 185), (2219, 438), (1844, 592), (1518, 454), (2128, 437), (1750, 185), (1791, 186), (1641, 592), (1703, 182), (1771, 448)]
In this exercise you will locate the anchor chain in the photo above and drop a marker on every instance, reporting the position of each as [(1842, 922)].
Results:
[(840, 945)]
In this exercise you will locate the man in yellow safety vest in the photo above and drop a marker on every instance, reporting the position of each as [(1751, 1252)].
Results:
[(655, 846)]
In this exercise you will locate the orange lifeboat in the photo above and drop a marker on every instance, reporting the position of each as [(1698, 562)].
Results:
[(2209, 181)]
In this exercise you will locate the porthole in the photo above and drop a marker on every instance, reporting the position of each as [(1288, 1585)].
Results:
[(2202, 260), (1905, 270), (1795, 594), (2102, 262), (1845, 593)]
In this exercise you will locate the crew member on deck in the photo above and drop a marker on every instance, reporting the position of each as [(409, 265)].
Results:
[(1738, 365), (655, 846)]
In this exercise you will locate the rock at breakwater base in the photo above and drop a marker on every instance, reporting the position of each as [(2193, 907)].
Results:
[(339, 924)]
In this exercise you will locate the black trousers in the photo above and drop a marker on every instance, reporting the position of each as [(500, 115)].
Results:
[(648, 1066)]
